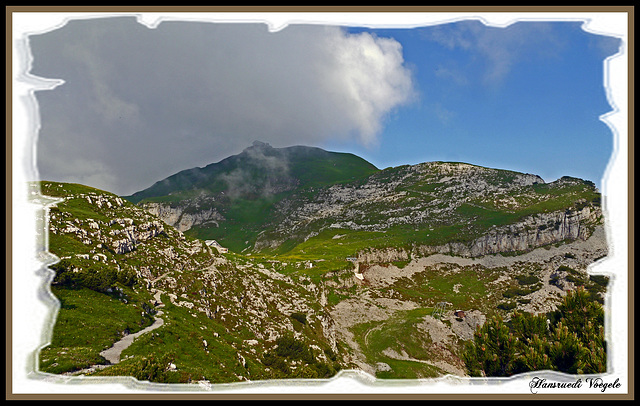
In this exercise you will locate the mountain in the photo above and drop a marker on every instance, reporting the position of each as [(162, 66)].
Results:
[(345, 266), (272, 200), (232, 200)]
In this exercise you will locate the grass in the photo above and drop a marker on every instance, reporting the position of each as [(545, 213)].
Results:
[(376, 337), (181, 341), (334, 245), (464, 288), (87, 323), (65, 245)]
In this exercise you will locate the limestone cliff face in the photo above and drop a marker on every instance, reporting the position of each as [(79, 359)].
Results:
[(533, 232), (386, 255), (122, 239), (181, 217), (126, 239)]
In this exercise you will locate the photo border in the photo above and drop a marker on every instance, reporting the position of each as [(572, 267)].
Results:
[(21, 229)]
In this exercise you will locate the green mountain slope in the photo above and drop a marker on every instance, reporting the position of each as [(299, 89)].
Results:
[(121, 269), (453, 208), (282, 198), (261, 170), (233, 199), (346, 266)]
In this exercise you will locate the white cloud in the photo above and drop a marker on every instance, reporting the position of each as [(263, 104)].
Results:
[(374, 81), (147, 103), (496, 51)]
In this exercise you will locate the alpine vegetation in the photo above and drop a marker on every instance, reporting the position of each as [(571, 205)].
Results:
[(298, 263)]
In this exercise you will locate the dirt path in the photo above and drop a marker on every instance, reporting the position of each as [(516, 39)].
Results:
[(113, 354)]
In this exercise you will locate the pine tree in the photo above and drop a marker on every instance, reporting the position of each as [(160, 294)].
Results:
[(570, 339), (493, 351)]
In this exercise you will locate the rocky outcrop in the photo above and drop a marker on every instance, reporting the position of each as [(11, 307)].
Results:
[(110, 228), (133, 234), (386, 255), (123, 246), (534, 231), (181, 217)]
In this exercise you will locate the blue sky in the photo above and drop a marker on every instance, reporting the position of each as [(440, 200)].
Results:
[(527, 97), (138, 104)]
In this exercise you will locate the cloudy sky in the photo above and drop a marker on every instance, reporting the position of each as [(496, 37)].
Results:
[(137, 104)]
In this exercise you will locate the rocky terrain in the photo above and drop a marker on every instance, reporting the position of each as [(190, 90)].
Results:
[(451, 207), (114, 252), (388, 272), (432, 196)]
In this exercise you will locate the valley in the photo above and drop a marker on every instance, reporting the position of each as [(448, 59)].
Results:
[(332, 265)]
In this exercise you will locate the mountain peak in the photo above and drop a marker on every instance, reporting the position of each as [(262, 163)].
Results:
[(261, 167), (260, 145)]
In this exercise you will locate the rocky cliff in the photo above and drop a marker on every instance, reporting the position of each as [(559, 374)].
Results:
[(444, 207), (183, 217)]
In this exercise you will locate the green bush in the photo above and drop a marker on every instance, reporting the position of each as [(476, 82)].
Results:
[(97, 277), (290, 349), (600, 280), (301, 317), (493, 351), (272, 360), (569, 339), (512, 292), (527, 279), (507, 306)]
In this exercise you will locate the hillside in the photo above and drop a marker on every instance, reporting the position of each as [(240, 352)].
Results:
[(232, 200), (450, 208), (385, 271), (431, 207), (120, 268)]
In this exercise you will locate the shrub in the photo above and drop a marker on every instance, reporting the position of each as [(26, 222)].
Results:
[(301, 317), (272, 360), (289, 347), (600, 280), (527, 279), (507, 306), (511, 292), (97, 277), (570, 339), (493, 351)]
